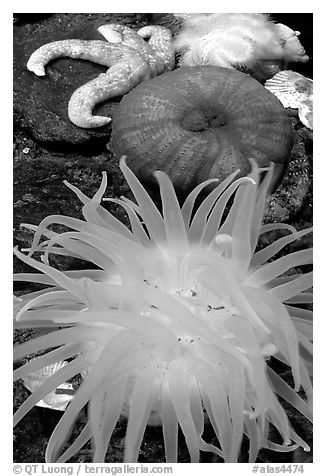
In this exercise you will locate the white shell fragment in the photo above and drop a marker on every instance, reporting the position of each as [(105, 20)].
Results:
[(60, 397), (290, 88), (306, 113), (295, 91)]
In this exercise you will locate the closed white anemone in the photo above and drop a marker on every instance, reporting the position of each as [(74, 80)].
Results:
[(176, 323)]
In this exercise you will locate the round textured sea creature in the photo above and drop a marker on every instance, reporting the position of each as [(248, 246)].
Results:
[(246, 41), (199, 123), (130, 56), (295, 91), (59, 398)]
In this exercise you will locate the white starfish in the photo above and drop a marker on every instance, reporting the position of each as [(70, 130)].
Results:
[(130, 56)]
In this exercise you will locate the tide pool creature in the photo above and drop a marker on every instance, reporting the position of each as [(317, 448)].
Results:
[(295, 91), (130, 56), (197, 123), (246, 41), (177, 322)]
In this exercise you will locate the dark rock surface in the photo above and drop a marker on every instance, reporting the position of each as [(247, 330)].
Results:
[(292, 200)]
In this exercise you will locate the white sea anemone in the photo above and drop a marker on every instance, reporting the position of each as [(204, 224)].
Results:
[(176, 324), (235, 40)]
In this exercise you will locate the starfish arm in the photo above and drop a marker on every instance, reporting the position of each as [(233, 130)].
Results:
[(112, 32), (96, 51), (118, 80), (160, 41), (115, 33), (129, 38)]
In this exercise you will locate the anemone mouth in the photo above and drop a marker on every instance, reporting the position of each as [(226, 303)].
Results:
[(204, 119), (178, 320)]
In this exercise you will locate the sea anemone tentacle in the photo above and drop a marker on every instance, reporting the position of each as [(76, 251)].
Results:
[(177, 322)]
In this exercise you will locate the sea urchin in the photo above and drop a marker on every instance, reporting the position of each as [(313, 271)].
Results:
[(176, 324)]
